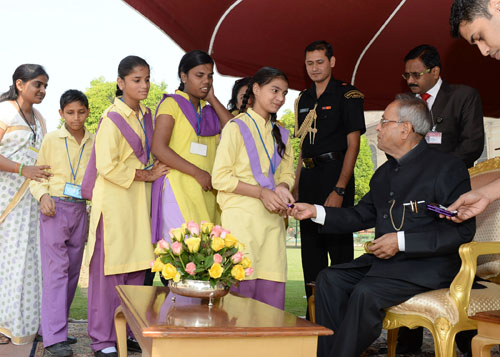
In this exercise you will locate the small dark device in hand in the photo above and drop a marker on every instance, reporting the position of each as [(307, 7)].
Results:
[(435, 207)]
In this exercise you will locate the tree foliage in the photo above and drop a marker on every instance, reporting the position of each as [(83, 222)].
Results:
[(101, 95), (363, 170)]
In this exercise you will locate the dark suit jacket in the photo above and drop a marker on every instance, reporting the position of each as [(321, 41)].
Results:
[(431, 255), (458, 112)]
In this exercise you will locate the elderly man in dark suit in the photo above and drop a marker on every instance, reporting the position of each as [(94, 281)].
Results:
[(414, 250), (456, 110)]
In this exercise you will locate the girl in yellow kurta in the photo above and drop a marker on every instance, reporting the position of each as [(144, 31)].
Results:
[(119, 247), (185, 138), (254, 199)]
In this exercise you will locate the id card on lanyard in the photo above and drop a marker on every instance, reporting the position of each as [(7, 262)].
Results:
[(71, 189), (197, 148)]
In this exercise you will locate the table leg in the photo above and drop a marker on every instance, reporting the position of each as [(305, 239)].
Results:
[(121, 331), (481, 346)]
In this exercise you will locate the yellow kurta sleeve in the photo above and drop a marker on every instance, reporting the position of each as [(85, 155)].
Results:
[(223, 178), (285, 172), (38, 189), (108, 162)]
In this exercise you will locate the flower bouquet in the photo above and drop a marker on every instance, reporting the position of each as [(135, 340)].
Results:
[(203, 252)]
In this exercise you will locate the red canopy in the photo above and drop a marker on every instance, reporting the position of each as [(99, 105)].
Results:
[(244, 35)]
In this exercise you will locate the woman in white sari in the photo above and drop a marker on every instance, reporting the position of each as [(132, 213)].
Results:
[(21, 131)]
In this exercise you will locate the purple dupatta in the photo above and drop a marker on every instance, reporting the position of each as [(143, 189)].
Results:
[(133, 140), (253, 155)]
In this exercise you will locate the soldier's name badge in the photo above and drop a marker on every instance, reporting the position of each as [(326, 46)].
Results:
[(32, 152), (433, 137), (304, 110), (72, 190), (198, 149)]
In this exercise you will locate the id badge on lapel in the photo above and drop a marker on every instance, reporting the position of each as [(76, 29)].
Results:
[(434, 137), (72, 190)]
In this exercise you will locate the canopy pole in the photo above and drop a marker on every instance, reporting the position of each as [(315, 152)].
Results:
[(353, 79), (212, 39)]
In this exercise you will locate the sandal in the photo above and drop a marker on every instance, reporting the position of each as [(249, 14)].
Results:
[(4, 340)]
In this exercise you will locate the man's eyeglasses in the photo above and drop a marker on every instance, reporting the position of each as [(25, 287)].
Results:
[(415, 75), (384, 121)]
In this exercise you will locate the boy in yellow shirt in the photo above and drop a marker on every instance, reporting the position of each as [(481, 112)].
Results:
[(63, 218)]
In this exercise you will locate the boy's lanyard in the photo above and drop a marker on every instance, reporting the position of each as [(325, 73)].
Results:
[(273, 169), (73, 173)]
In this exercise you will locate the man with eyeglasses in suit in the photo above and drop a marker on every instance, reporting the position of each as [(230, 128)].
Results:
[(457, 113), (457, 128)]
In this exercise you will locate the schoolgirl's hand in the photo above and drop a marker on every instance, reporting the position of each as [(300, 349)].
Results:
[(272, 201), (37, 173), (158, 170), (284, 194), (204, 179), (47, 205)]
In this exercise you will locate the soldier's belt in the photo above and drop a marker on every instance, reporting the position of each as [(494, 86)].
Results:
[(310, 162)]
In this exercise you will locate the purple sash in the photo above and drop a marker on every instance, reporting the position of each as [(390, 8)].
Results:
[(209, 125), (133, 140), (253, 155)]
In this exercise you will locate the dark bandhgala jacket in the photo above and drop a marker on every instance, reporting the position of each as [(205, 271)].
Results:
[(431, 255)]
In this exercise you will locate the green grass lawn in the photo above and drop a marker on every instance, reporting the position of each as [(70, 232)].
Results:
[(295, 301)]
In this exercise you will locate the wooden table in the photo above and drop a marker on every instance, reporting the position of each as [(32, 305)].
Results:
[(234, 326), (488, 333)]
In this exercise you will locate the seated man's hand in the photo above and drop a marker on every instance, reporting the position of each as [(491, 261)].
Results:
[(386, 246), (302, 211)]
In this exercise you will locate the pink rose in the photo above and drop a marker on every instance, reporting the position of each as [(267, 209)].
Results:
[(237, 257), (164, 244), (193, 228), (190, 268), (216, 231), (176, 248), (217, 258), (224, 232), (248, 271)]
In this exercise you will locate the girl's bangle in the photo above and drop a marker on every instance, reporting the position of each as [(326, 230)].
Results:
[(21, 169)]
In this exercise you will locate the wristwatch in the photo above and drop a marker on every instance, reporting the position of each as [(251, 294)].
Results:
[(340, 191)]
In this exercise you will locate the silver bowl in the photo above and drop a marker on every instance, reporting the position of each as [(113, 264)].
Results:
[(198, 289)]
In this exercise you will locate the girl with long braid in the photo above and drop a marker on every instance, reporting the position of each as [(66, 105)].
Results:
[(253, 172)]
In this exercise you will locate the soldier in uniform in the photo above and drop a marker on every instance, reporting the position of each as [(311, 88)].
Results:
[(329, 122)]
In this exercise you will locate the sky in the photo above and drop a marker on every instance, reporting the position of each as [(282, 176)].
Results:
[(79, 40)]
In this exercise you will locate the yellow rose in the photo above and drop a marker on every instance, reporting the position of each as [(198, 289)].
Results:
[(230, 240), (177, 277), (176, 234), (216, 271), (159, 250), (169, 271), (206, 227), (238, 272), (246, 263), (193, 244), (217, 244), (240, 246), (157, 265)]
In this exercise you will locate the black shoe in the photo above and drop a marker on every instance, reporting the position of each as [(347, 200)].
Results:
[(60, 349), (401, 350), (133, 346), (70, 340), (102, 354)]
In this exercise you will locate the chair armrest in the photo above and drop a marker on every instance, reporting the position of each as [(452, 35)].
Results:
[(462, 284)]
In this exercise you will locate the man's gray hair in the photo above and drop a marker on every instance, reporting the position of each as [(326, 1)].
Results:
[(415, 111)]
